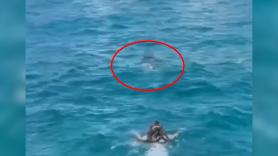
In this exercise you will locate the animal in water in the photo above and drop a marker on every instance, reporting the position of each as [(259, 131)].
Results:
[(150, 61)]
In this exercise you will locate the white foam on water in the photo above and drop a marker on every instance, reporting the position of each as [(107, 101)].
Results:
[(148, 67), (157, 150)]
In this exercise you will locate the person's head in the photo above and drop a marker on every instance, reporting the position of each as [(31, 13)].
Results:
[(156, 122)]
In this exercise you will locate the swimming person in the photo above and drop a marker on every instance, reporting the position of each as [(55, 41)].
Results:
[(157, 133)]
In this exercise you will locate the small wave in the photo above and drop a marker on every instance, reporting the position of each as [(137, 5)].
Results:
[(200, 89), (33, 76)]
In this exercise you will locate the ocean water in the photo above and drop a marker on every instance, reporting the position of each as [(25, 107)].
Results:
[(75, 106)]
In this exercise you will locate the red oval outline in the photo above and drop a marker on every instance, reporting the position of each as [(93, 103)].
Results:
[(140, 89)]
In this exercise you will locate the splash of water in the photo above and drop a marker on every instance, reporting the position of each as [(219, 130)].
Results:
[(157, 150)]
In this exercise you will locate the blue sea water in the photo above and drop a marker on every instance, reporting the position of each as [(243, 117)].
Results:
[(75, 106)]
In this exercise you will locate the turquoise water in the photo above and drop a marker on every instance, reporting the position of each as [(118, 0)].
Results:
[(75, 107)]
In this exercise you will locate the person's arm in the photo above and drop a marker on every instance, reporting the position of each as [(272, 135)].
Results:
[(149, 134), (165, 136)]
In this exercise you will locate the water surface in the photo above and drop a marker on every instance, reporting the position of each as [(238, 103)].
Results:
[(75, 107)]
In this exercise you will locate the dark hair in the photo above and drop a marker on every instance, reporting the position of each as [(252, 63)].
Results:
[(156, 122)]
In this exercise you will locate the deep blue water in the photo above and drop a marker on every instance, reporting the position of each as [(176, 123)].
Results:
[(75, 107)]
